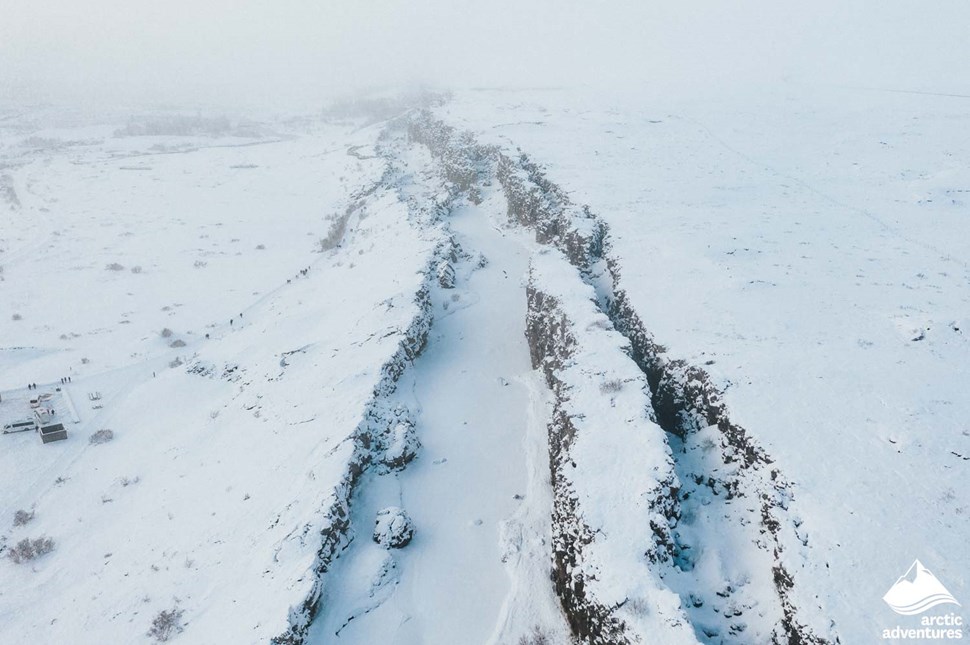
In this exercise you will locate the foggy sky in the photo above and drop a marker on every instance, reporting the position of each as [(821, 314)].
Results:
[(297, 52)]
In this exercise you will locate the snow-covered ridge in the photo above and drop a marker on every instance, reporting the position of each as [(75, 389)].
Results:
[(611, 467), (368, 440), (471, 400), (715, 459), (377, 441)]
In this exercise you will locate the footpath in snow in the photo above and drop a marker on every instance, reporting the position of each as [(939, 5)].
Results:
[(478, 492)]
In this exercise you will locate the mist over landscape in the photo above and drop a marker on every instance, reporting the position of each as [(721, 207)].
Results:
[(518, 323), (296, 53)]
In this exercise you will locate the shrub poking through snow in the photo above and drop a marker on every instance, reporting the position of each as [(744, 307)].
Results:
[(393, 528), (22, 517), (338, 228), (114, 266), (27, 549), (167, 624), (613, 385), (166, 333), (535, 637), (177, 343), (101, 436)]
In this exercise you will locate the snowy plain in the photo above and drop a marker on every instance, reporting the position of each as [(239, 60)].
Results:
[(203, 497)]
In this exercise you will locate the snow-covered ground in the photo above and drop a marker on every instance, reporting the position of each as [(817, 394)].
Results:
[(291, 325)]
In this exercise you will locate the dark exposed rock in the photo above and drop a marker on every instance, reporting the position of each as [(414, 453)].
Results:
[(400, 443), (393, 528), (446, 274)]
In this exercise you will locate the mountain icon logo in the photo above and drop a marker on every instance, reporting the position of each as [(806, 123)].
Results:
[(916, 591)]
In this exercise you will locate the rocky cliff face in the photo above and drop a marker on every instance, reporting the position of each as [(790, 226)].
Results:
[(600, 430), (373, 439)]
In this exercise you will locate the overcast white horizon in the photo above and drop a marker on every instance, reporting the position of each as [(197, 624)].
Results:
[(297, 53)]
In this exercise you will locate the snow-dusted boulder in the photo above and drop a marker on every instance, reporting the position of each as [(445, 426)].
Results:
[(393, 528), (402, 445)]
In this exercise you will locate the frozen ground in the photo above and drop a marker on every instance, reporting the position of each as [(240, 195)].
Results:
[(270, 393)]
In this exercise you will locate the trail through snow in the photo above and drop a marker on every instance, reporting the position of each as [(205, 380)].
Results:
[(478, 493)]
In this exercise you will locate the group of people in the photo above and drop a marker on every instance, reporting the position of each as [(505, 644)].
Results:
[(232, 321), (64, 380), (303, 272)]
